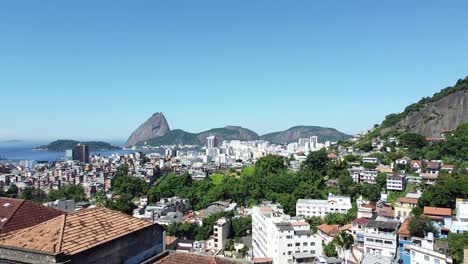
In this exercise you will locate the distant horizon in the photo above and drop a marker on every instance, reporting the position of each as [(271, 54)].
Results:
[(96, 70)]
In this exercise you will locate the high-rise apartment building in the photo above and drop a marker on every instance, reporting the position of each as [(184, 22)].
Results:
[(282, 238), (81, 153)]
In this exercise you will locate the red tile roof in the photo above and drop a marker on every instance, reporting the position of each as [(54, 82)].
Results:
[(361, 221), (408, 200), (437, 211), (330, 230), (18, 214), (75, 232), (404, 229)]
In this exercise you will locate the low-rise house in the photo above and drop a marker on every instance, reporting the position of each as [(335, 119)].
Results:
[(441, 218), (96, 235), (427, 251), (358, 230), (416, 165), (404, 239), (380, 238), (403, 161), (396, 182), (327, 232), (433, 167), (460, 222), (404, 206), (320, 208), (429, 178), (447, 168)]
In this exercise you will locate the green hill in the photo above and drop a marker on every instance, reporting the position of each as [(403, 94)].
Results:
[(64, 144), (293, 134)]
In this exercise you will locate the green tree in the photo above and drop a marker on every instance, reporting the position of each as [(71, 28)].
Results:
[(343, 241), (122, 204), (314, 221), (336, 219), (371, 192), (457, 243), (130, 185), (241, 226), (315, 161), (412, 140), (329, 250), (421, 225), (346, 184), (74, 192), (270, 164), (12, 191), (381, 180), (33, 194)]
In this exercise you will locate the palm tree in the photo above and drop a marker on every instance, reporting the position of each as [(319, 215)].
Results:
[(344, 241)]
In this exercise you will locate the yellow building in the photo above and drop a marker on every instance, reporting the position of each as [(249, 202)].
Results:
[(404, 206)]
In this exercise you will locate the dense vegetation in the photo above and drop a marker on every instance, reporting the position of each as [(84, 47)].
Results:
[(64, 144)]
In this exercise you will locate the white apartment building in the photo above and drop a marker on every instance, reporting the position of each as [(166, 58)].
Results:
[(460, 223), (359, 174), (380, 238), (396, 182), (282, 238), (426, 251), (221, 233), (315, 207)]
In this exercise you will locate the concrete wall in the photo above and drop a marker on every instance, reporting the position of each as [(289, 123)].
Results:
[(19, 255), (132, 248)]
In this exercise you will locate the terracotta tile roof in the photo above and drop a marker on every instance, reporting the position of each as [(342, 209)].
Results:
[(437, 211), (170, 239), (90, 227), (190, 258), (407, 200), (45, 236), (347, 227), (330, 230), (404, 229), (75, 232), (361, 221), (18, 214)]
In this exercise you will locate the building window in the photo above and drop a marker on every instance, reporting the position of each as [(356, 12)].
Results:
[(436, 261), (298, 244), (426, 258), (304, 244), (289, 245)]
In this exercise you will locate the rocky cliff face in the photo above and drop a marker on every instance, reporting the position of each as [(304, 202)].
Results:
[(295, 133), (434, 117), (155, 126)]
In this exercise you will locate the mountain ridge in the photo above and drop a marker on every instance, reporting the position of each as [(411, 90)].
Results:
[(443, 111)]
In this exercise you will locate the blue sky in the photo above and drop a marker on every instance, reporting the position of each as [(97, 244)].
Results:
[(97, 69)]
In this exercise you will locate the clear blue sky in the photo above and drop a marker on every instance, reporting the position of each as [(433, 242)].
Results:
[(97, 69)]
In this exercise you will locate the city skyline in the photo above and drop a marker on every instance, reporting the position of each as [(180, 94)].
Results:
[(96, 71)]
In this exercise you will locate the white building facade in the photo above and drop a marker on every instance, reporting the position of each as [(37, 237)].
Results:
[(320, 208), (282, 238)]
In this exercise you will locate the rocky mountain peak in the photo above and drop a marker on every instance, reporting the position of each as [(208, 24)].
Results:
[(155, 126)]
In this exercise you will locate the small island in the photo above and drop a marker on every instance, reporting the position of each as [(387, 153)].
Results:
[(64, 144)]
